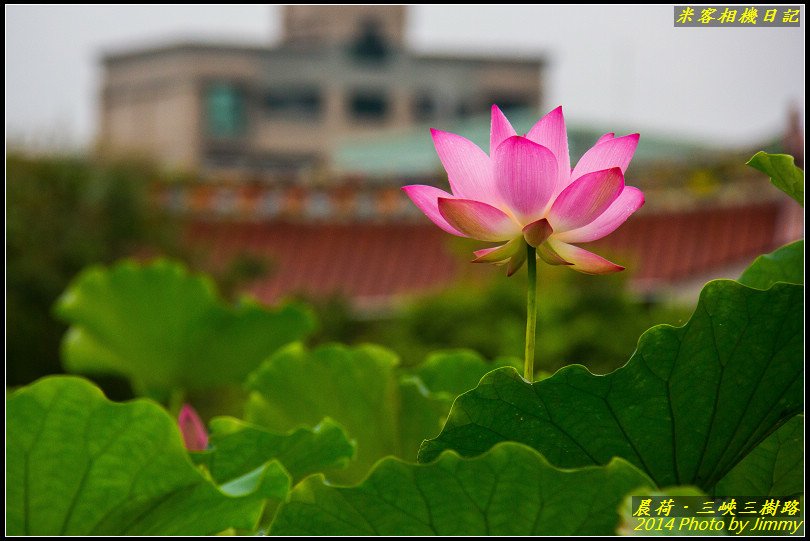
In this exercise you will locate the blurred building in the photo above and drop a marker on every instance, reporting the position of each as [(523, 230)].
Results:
[(234, 112), (300, 151)]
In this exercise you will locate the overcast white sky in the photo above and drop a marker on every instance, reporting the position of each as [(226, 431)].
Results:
[(622, 65)]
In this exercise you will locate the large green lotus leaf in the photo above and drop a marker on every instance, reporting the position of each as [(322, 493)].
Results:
[(78, 464), (786, 264), (510, 490), (237, 447), (166, 329), (783, 173), (687, 407), (357, 387), (774, 468), (422, 414), (456, 371)]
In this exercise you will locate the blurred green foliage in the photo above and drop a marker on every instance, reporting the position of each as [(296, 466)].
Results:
[(124, 461), (62, 214), (65, 213), (589, 320), (386, 411), (168, 330)]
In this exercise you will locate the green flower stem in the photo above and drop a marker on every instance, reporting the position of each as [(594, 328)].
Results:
[(531, 313)]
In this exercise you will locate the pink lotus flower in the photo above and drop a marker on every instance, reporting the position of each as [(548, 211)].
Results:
[(526, 190), (192, 428)]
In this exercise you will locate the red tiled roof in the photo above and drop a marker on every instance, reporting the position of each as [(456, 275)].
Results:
[(366, 261)]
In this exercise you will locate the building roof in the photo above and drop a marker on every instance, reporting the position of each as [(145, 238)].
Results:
[(373, 262), (146, 51), (142, 52), (410, 153)]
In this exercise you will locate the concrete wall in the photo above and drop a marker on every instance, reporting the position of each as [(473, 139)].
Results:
[(153, 102)]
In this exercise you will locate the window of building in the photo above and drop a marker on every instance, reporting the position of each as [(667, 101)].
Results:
[(370, 45), (368, 106), (226, 158), (424, 106), (225, 111), (294, 102), (465, 109)]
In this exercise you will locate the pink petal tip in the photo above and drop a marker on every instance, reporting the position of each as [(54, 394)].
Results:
[(426, 199), (582, 260)]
